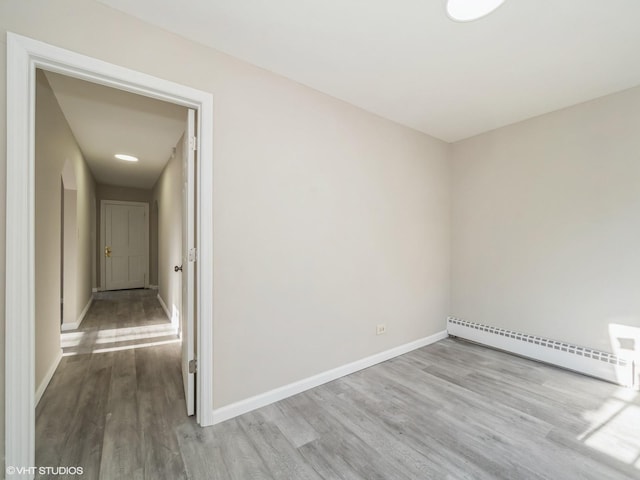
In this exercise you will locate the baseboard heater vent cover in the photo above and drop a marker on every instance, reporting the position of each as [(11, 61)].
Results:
[(604, 365)]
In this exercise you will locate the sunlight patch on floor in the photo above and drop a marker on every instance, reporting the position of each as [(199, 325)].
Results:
[(74, 339), (116, 339), (125, 347), (614, 428)]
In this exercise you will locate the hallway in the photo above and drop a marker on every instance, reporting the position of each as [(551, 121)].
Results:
[(115, 400)]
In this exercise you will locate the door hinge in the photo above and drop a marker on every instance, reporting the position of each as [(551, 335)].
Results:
[(193, 366), (193, 254), (193, 143)]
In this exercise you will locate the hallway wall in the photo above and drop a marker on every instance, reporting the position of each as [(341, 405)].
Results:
[(167, 192), (55, 145)]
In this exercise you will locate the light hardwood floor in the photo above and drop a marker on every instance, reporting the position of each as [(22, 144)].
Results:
[(452, 410)]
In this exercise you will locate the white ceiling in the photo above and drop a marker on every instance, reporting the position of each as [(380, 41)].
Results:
[(106, 121), (407, 61)]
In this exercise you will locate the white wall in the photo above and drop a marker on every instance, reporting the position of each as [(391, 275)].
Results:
[(326, 224), (56, 145), (167, 192), (327, 219), (546, 223)]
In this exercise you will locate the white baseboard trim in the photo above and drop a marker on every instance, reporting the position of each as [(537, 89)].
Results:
[(154, 287), (227, 412), (75, 325), (172, 318), (164, 307), (94, 290), (47, 378)]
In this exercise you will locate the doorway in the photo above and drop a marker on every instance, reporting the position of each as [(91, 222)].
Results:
[(125, 243), (68, 244), (24, 56)]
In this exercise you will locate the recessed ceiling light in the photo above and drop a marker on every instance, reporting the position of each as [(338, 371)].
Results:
[(468, 10), (126, 158)]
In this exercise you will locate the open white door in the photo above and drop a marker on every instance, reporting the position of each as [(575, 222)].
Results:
[(188, 264)]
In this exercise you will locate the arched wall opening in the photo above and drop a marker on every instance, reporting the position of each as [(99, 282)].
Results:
[(69, 247)]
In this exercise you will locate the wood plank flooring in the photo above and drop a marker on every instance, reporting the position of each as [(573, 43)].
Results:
[(452, 410)]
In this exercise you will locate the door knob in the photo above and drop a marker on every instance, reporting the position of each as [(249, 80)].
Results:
[(107, 252), (177, 268)]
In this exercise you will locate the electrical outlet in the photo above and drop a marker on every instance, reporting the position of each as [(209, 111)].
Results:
[(381, 329)]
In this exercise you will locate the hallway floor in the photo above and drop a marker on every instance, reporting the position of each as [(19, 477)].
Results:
[(120, 320), (115, 400)]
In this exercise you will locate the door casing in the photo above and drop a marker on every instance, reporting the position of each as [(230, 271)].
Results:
[(24, 55), (187, 316)]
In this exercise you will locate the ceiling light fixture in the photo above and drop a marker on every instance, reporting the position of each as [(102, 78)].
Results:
[(126, 158), (469, 10)]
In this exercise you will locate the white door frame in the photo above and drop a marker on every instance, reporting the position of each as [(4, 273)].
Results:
[(103, 237), (24, 55)]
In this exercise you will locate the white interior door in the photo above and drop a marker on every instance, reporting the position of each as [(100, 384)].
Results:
[(188, 264), (126, 246)]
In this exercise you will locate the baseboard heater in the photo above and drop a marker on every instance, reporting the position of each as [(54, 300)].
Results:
[(584, 360)]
